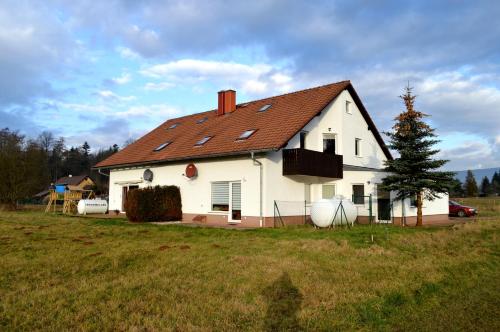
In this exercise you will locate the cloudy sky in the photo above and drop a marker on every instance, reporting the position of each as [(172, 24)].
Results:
[(107, 71)]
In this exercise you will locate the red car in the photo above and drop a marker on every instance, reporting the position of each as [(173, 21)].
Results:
[(456, 209)]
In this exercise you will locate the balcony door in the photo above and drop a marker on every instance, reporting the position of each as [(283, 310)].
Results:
[(329, 144), (226, 196)]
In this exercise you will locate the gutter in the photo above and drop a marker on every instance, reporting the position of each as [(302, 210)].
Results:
[(100, 172), (258, 163)]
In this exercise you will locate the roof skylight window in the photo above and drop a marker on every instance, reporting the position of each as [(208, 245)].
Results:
[(265, 107), (246, 134), (162, 146), (174, 126), (202, 120), (203, 140)]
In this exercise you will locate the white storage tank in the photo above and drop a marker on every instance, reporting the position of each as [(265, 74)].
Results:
[(351, 212), (89, 206), (323, 212)]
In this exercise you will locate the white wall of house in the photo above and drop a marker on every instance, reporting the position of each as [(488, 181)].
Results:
[(438, 206), (346, 127), (196, 193)]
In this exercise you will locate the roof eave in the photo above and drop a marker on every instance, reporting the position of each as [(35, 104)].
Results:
[(198, 157)]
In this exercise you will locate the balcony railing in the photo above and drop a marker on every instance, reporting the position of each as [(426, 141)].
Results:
[(312, 163)]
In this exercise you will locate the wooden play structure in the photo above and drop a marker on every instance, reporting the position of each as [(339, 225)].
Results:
[(70, 198)]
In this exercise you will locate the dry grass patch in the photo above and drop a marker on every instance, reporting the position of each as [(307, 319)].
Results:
[(150, 277)]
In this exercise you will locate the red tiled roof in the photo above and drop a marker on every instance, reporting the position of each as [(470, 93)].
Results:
[(288, 114)]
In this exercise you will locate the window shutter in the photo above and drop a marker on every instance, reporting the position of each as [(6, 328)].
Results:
[(236, 193), (220, 193)]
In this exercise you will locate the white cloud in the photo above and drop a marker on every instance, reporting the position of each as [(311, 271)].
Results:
[(471, 155), (203, 70), (256, 80), (123, 79), (151, 86), (127, 53), (110, 95)]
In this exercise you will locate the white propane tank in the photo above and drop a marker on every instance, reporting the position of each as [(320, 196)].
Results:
[(88, 206), (351, 212), (322, 212)]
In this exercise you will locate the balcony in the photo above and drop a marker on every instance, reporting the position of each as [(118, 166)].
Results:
[(312, 163)]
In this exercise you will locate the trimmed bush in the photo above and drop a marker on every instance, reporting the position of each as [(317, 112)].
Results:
[(160, 203)]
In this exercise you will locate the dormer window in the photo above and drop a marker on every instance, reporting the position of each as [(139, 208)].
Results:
[(203, 140), (173, 126), (348, 107), (162, 146), (202, 120), (265, 108), (246, 134)]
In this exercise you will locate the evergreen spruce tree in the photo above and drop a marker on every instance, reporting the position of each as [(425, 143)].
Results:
[(456, 189), (470, 185), (495, 183), (414, 172)]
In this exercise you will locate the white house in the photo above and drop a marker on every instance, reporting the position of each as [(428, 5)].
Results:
[(233, 163)]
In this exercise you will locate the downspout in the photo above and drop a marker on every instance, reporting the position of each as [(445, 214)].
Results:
[(258, 163)]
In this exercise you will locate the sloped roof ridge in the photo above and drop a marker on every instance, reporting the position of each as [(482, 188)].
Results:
[(262, 99)]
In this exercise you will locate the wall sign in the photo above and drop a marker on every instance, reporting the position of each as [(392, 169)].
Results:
[(191, 171)]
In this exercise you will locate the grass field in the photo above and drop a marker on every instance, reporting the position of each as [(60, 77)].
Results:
[(61, 273), (487, 206)]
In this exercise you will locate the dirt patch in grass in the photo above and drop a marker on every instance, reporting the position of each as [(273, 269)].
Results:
[(88, 243), (95, 254), (215, 245), (184, 247), (28, 233), (163, 248)]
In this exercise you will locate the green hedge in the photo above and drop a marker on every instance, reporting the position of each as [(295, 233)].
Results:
[(160, 203)]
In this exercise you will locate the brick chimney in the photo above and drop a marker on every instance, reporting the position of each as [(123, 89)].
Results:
[(227, 102)]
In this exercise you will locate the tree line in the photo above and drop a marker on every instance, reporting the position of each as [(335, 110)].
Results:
[(470, 188), (30, 165)]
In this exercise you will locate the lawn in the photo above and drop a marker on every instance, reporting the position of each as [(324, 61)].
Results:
[(61, 273), (486, 206)]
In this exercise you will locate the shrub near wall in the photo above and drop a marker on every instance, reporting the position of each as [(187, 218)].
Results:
[(160, 203)]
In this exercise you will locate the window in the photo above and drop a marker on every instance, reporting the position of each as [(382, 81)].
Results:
[(202, 120), (329, 144), (303, 139), (246, 134), (357, 147), (265, 108), (203, 140), (413, 201), (328, 191), (173, 126), (162, 146), (358, 194), (220, 196), (348, 107)]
